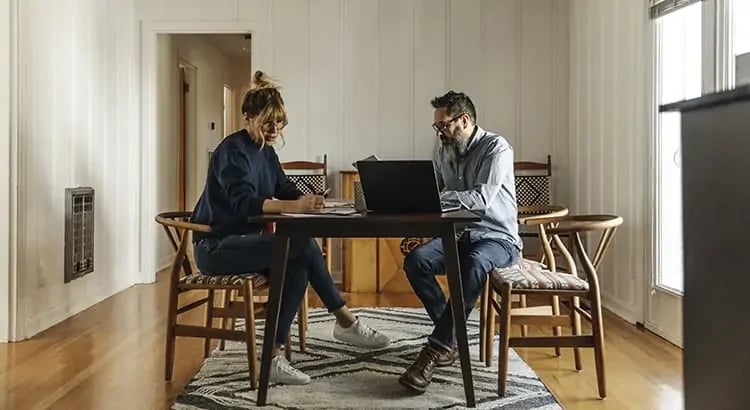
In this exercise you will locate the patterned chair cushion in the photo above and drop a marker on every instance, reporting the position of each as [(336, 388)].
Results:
[(409, 243), (199, 279), (527, 274)]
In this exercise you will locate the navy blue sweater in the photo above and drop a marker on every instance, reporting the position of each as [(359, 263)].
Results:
[(241, 176)]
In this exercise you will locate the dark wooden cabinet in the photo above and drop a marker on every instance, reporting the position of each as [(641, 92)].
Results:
[(716, 229)]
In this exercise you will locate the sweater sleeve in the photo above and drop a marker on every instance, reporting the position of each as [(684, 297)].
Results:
[(233, 170)]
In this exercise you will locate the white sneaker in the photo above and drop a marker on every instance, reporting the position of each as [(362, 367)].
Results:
[(361, 335), (283, 372)]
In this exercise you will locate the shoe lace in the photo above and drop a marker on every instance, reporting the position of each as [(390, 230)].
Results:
[(426, 358), (366, 331), (287, 367)]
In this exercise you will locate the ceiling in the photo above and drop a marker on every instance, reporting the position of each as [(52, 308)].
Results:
[(234, 46)]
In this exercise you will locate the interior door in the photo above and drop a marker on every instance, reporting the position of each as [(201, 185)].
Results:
[(181, 142)]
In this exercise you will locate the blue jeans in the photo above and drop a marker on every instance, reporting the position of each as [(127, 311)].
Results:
[(476, 259), (251, 253)]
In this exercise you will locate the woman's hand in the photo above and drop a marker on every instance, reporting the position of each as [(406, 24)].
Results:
[(308, 203)]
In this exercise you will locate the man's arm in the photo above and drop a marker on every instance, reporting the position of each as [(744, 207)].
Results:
[(494, 168), (439, 171)]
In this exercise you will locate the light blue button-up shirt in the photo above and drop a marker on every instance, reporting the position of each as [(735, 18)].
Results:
[(482, 181)]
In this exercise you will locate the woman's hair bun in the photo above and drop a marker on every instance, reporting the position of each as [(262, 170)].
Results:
[(263, 80)]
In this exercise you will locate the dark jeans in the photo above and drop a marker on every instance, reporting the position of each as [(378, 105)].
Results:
[(251, 253), (477, 259)]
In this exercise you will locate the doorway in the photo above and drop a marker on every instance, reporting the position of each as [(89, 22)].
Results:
[(186, 117), (678, 37)]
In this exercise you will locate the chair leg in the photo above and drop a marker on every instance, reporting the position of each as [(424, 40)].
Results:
[(226, 321), (504, 343), (524, 328), (557, 331), (252, 354), (489, 342), (483, 307), (598, 333), (288, 347), (302, 323), (209, 321), (575, 324), (171, 323)]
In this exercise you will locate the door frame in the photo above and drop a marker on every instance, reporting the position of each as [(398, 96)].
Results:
[(663, 307), (9, 309), (147, 144)]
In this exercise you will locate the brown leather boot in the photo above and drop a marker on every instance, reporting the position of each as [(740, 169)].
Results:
[(419, 375), (448, 358)]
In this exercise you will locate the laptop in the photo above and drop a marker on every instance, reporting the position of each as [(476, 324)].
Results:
[(408, 186)]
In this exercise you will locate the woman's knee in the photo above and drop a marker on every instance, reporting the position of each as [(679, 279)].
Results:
[(303, 246)]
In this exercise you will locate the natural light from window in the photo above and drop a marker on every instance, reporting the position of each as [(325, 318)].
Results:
[(742, 41), (679, 78)]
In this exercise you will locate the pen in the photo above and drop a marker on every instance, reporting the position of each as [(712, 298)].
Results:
[(324, 194)]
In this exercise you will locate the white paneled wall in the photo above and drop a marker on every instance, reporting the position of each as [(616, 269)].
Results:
[(358, 75), (609, 137), (6, 43), (77, 126)]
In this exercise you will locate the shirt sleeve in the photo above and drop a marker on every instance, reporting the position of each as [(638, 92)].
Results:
[(438, 171), (233, 172), (495, 167)]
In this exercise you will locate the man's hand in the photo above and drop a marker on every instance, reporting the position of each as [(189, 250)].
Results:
[(307, 203)]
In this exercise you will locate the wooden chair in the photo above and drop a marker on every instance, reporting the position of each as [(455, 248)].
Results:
[(533, 183), (184, 279), (487, 314), (528, 277), (310, 178)]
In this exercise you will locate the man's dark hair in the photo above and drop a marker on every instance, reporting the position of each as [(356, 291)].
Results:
[(456, 103)]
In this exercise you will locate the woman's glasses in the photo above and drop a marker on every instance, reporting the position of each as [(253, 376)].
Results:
[(273, 125)]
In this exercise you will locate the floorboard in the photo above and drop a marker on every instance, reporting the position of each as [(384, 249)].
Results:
[(111, 356)]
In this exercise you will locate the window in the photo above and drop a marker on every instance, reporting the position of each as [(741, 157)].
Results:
[(742, 41), (678, 77)]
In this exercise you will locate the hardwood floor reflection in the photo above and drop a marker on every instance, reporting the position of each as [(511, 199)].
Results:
[(112, 357)]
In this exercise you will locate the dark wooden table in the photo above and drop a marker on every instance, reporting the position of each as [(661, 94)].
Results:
[(367, 226)]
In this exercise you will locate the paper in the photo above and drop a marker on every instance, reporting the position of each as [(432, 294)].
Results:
[(336, 204), (325, 212)]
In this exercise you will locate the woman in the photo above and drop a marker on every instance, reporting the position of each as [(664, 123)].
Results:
[(245, 179)]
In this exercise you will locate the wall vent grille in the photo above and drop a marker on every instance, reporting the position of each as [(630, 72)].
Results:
[(79, 232)]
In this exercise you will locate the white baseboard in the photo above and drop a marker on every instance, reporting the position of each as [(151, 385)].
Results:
[(611, 303)]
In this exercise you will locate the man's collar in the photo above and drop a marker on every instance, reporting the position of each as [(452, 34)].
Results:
[(476, 136)]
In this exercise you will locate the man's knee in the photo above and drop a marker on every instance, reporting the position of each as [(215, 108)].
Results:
[(416, 262)]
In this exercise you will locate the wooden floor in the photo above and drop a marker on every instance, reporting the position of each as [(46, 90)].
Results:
[(112, 357)]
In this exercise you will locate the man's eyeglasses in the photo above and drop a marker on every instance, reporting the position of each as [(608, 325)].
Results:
[(439, 126)]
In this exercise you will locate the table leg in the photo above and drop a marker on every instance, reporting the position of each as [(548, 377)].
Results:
[(276, 284), (453, 271)]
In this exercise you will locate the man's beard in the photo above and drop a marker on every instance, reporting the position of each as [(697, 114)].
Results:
[(455, 147)]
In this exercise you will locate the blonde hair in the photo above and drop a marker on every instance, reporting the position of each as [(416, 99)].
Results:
[(263, 104)]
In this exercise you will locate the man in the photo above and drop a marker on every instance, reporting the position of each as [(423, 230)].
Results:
[(475, 171)]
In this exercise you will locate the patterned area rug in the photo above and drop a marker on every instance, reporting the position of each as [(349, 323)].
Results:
[(344, 376)]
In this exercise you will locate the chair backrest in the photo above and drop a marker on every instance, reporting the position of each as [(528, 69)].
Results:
[(310, 177), (177, 226), (575, 225), (533, 182)]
